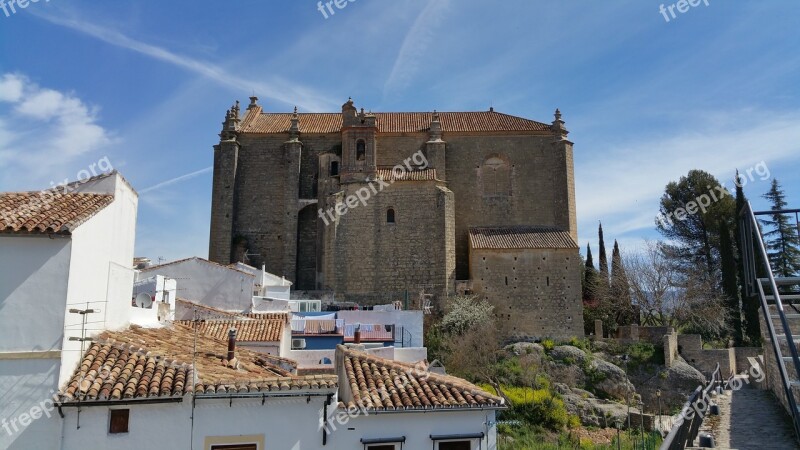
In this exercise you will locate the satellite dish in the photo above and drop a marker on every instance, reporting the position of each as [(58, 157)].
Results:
[(143, 300)]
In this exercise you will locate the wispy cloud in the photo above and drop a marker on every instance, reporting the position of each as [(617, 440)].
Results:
[(289, 93), (416, 44), (188, 176)]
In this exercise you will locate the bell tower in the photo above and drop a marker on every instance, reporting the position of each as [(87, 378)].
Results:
[(359, 141)]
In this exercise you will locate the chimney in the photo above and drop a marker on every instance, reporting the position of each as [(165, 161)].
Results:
[(231, 345), (357, 335)]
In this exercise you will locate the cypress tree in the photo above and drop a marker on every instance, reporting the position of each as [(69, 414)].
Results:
[(603, 258), (621, 289), (589, 278), (730, 286)]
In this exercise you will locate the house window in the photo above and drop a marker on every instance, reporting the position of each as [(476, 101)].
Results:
[(334, 171), (361, 150), (381, 447), (235, 447), (455, 445), (390, 215), (118, 421)]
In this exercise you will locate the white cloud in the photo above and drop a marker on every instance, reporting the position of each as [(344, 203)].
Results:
[(42, 129), (10, 88)]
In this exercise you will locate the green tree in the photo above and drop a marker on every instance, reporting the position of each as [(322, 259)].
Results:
[(589, 277), (782, 241), (750, 303), (689, 216), (730, 287), (603, 258), (621, 290)]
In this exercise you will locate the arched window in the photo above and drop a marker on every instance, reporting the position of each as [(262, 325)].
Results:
[(334, 171), (496, 177), (390, 215), (361, 150)]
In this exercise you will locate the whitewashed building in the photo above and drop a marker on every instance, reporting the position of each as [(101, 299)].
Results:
[(62, 251)]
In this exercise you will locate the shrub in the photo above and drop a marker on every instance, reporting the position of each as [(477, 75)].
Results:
[(548, 345), (537, 407)]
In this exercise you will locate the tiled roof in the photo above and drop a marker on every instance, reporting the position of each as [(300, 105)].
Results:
[(379, 384), (403, 175), (396, 122), (142, 363), (247, 330), (520, 237), (48, 211)]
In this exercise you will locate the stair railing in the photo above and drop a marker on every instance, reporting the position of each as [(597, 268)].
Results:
[(753, 242)]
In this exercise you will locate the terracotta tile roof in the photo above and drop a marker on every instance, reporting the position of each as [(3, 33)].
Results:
[(520, 237), (48, 211), (379, 384), (414, 175), (396, 122), (247, 330), (144, 363)]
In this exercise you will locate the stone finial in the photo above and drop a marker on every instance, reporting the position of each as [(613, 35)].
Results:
[(231, 124), (294, 129), (253, 102), (559, 130)]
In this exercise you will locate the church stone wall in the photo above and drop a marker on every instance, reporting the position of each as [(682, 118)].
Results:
[(416, 252), (533, 166), (535, 292)]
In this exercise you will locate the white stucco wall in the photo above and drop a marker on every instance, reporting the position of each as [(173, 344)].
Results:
[(26, 385), (285, 424), (417, 427), (34, 272), (207, 283), (410, 320), (101, 276)]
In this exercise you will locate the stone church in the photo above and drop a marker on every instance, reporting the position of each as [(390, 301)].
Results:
[(375, 206)]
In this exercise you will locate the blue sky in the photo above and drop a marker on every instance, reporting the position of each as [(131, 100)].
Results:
[(146, 84)]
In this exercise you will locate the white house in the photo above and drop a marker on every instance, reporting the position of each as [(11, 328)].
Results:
[(389, 405), (209, 283), (136, 389), (63, 253)]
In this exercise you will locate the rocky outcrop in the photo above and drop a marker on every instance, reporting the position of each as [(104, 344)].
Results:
[(592, 411), (675, 384)]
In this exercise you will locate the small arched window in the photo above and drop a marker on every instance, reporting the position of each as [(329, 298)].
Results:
[(361, 150), (390, 215), (334, 171)]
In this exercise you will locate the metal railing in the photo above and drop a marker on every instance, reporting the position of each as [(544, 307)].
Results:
[(686, 428), (753, 248)]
